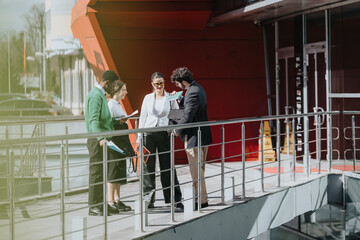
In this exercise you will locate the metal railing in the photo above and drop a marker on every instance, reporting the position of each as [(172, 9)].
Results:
[(353, 137), (33, 160), (35, 112), (246, 178), (35, 126)]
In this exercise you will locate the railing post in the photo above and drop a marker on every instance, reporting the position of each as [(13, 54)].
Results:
[(172, 159), (199, 170), (11, 185), (278, 152), (39, 163), (141, 181), (105, 207), (22, 157), (328, 87), (222, 164), (62, 191), (318, 141), (306, 157), (329, 142), (44, 149), (6, 132), (294, 146), (354, 143), (262, 155), (243, 159), (67, 158), (344, 193), (287, 138)]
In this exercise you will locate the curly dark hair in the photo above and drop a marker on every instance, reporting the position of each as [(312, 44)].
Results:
[(182, 74)]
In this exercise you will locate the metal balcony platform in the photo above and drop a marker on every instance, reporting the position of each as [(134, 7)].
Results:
[(239, 218)]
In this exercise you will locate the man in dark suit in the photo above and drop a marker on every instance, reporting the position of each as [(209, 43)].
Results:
[(195, 110)]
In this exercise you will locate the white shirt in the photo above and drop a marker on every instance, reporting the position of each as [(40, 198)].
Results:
[(159, 105), (97, 85), (149, 117), (115, 108)]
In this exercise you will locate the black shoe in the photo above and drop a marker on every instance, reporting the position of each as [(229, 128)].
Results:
[(112, 208), (203, 205), (122, 207), (96, 211), (151, 205), (179, 206)]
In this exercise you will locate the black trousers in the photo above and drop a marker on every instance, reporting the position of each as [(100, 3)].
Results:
[(95, 171), (161, 142)]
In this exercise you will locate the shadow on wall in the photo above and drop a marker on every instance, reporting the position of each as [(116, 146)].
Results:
[(99, 68)]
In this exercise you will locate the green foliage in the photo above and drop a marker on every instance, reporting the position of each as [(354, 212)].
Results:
[(16, 44), (34, 25)]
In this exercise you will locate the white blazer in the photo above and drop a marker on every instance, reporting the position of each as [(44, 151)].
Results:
[(148, 118)]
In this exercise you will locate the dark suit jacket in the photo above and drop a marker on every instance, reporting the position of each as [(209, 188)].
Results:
[(195, 110)]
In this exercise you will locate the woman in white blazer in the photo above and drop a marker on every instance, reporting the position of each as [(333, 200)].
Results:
[(154, 112)]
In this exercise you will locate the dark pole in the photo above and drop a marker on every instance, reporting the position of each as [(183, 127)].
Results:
[(42, 49), (9, 63)]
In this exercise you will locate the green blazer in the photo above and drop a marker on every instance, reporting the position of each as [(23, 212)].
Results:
[(97, 113)]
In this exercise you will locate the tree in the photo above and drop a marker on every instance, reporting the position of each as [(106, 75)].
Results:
[(35, 32), (35, 28), (16, 62)]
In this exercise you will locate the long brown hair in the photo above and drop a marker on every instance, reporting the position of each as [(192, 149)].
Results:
[(118, 86)]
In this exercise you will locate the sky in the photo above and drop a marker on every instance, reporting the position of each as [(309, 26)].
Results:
[(11, 14)]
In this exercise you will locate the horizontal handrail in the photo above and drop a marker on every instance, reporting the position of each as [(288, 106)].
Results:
[(15, 120), (4, 121), (351, 112), (158, 129)]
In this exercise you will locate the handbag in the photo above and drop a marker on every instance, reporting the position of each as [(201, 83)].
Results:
[(146, 153), (175, 115)]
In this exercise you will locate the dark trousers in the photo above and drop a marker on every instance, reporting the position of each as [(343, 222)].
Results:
[(161, 142), (95, 172)]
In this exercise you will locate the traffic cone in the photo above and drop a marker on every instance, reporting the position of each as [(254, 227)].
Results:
[(269, 153), (285, 147)]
